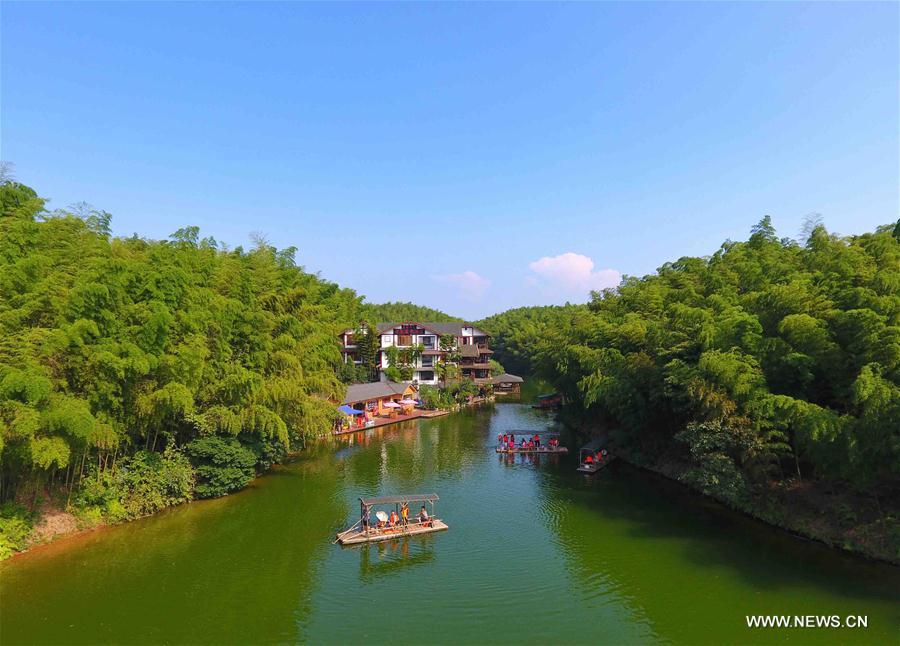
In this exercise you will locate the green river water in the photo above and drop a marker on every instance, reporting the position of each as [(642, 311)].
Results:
[(536, 553)]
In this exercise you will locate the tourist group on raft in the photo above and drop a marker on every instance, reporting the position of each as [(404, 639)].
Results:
[(508, 441), (591, 458), (394, 519)]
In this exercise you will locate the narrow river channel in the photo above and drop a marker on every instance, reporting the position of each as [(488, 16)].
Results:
[(535, 553)]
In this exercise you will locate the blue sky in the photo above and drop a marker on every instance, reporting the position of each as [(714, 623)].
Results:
[(469, 157)]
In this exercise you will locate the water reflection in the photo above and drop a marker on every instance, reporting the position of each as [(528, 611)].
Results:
[(379, 560), (661, 548), (535, 460)]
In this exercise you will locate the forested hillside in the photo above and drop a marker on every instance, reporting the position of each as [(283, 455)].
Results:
[(770, 361), (134, 371), (397, 312), (516, 332)]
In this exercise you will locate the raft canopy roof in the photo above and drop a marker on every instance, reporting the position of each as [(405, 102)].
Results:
[(593, 445), (389, 500), (507, 378)]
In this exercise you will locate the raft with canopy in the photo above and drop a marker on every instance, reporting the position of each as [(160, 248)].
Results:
[(588, 460), (548, 401), (379, 526), (545, 446)]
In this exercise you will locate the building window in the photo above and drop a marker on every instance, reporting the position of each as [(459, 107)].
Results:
[(404, 340), (427, 361), (428, 342), (426, 375)]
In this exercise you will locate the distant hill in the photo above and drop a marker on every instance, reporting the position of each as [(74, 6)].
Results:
[(517, 332), (397, 312)]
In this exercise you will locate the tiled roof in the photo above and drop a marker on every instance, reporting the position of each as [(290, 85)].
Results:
[(373, 390)]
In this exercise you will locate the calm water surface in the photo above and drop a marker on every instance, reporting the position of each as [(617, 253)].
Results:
[(535, 553)]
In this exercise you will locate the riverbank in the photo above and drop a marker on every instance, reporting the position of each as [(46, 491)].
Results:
[(818, 511), (396, 419), (56, 522)]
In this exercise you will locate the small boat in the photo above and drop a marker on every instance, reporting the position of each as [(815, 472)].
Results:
[(364, 531), (547, 402), (591, 449), (550, 447)]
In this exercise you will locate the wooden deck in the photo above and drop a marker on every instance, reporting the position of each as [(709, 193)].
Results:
[(357, 536), (543, 449), (594, 467), (396, 419)]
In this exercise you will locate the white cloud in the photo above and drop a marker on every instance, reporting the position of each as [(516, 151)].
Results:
[(574, 273), (470, 285)]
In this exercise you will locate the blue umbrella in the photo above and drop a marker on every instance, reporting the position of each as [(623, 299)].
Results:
[(346, 410)]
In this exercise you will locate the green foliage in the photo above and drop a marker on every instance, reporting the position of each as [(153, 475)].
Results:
[(517, 332), (222, 465), (715, 449), (112, 345), (766, 360), (446, 397), (140, 485), (434, 398), (398, 312), (460, 391), (15, 528)]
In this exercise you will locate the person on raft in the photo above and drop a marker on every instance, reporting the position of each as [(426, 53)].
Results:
[(424, 518)]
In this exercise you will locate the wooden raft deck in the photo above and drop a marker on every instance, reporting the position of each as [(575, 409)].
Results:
[(595, 467), (387, 421), (543, 449), (357, 536)]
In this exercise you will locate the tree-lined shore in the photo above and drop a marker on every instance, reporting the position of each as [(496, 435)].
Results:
[(766, 375), (136, 374)]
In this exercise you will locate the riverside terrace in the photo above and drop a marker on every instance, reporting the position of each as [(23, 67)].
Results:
[(379, 399), (379, 403), (469, 342)]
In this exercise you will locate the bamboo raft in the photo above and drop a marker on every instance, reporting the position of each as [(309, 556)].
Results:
[(529, 433), (591, 449), (359, 533), (355, 536), (594, 467), (542, 449)]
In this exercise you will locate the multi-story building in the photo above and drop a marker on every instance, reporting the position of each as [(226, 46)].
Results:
[(470, 343)]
